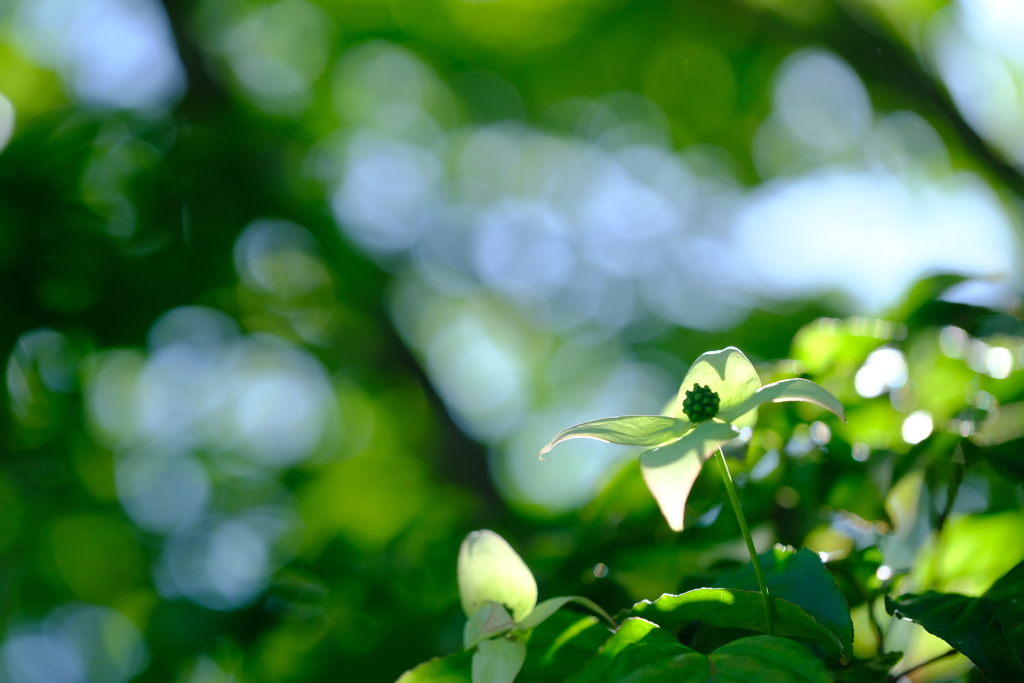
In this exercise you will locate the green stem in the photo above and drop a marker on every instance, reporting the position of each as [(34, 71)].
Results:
[(731, 488)]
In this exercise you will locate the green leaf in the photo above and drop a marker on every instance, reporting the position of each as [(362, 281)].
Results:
[(490, 570), (756, 658), (1007, 424), (561, 647), (498, 660), (487, 622), (549, 607), (923, 293), (800, 578), (670, 471), (727, 372), (628, 430), (787, 390), (634, 632), (989, 630), (733, 608), (455, 668)]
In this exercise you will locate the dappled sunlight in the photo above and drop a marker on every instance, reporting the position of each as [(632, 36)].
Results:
[(74, 643), (974, 47), (275, 51), (227, 563), (917, 427), (208, 411), (821, 113), (882, 234), (884, 369), (573, 224), (259, 397), (608, 230)]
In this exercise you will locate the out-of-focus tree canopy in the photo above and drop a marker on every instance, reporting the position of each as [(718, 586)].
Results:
[(294, 292)]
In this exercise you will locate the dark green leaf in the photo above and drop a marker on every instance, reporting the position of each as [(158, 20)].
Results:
[(634, 632), (562, 646), (872, 671), (989, 630), (732, 608), (923, 293), (756, 658), (800, 578)]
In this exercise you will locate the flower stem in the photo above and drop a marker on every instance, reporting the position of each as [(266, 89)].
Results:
[(731, 488)]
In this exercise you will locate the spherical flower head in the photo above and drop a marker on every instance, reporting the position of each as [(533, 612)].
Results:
[(700, 403)]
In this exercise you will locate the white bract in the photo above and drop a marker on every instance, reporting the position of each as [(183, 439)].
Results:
[(679, 447)]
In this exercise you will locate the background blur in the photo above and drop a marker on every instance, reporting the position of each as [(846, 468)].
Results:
[(293, 292)]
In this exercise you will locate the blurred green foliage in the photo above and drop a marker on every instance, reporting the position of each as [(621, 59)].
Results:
[(110, 218)]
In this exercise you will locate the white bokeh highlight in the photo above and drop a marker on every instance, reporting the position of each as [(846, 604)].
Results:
[(76, 643), (207, 411), (117, 54)]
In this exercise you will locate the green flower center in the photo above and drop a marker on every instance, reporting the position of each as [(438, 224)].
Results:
[(700, 403)]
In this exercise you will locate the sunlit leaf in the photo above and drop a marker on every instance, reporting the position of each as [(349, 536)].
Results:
[(498, 660), (670, 471), (973, 553), (732, 608), (756, 658), (489, 569), (634, 632), (549, 607), (455, 668), (487, 622), (787, 390), (727, 372), (1004, 425), (628, 430), (800, 578), (989, 630), (826, 342)]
